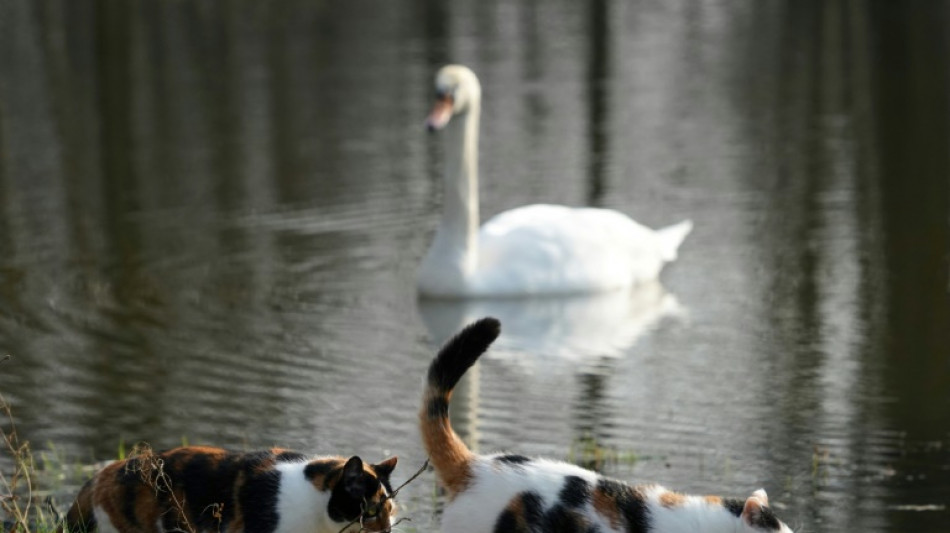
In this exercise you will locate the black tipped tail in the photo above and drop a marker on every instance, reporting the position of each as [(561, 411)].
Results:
[(449, 455), (460, 353)]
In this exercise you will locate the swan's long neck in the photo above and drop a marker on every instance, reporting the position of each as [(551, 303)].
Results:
[(459, 228)]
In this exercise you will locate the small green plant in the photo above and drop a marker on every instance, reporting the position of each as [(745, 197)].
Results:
[(56, 473), (821, 460), (587, 452), (21, 513)]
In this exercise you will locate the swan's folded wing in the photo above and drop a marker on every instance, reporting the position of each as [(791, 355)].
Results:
[(557, 249)]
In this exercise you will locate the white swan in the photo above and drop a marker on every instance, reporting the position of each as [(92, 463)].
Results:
[(530, 250)]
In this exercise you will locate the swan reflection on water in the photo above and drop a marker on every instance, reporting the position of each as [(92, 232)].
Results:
[(552, 343), (563, 328)]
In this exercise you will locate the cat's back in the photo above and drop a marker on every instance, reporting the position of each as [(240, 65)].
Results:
[(513, 493), (199, 473), (508, 491), (518, 473), (194, 465), (191, 488)]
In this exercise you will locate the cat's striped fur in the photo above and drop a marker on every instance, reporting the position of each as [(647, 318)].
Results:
[(204, 489), (516, 494)]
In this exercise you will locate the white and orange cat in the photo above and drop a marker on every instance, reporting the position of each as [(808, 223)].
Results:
[(516, 494), (203, 489)]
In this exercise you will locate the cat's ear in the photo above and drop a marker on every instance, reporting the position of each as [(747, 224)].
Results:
[(353, 475), (386, 467), (752, 510)]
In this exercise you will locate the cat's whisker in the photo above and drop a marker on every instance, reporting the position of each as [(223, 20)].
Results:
[(392, 527), (358, 520), (410, 480), (365, 506)]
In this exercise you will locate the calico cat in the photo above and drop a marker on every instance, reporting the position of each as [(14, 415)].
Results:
[(515, 494), (203, 489)]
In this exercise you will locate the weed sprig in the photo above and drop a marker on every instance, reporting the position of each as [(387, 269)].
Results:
[(367, 511), (16, 488)]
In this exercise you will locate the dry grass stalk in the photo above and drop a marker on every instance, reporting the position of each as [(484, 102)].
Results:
[(364, 512), (151, 470), (16, 489)]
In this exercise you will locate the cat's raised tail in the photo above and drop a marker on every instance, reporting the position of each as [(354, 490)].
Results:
[(449, 455)]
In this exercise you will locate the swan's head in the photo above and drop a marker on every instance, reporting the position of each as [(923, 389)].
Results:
[(456, 91)]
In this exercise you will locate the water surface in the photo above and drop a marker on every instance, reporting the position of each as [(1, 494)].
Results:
[(211, 214)]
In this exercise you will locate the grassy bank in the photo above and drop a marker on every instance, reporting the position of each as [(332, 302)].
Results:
[(23, 510)]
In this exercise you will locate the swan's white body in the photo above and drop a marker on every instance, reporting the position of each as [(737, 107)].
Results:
[(535, 249)]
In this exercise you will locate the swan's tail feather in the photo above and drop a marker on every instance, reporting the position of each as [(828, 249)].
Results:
[(449, 455), (671, 237)]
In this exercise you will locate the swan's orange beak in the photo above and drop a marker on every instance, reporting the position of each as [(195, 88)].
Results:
[(441, 113)]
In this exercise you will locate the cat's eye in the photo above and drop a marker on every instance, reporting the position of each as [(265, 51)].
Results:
[(369, 509)]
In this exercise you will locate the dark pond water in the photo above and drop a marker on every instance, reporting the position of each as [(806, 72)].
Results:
[(211, 214)]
